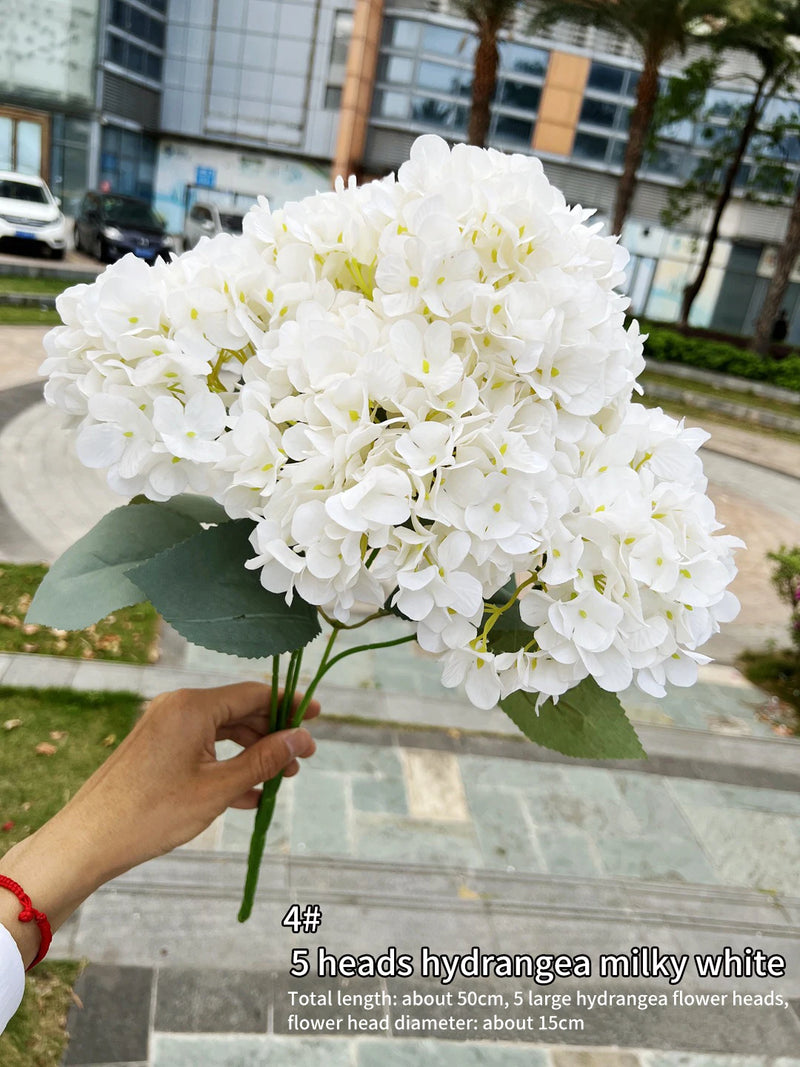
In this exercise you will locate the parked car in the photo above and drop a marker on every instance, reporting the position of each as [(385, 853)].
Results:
[(207, 220), (30, 217), (109, 226)]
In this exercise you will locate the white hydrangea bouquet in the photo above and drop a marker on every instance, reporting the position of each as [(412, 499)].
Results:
[(412, 397)]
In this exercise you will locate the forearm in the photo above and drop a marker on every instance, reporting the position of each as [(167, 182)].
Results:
[(57, 877)]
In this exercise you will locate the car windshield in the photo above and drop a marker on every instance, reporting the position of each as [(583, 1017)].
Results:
[(14, 190), (132, 213), (231, 223)]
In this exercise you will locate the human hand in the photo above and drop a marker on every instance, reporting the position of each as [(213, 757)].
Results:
[(160, 788)]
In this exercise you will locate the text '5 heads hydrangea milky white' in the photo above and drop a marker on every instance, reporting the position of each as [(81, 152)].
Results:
[(414, 389)]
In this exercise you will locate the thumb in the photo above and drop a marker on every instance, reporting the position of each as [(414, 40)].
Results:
[(266, 758)]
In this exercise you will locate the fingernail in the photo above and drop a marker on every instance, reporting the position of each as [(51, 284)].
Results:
[(298, 742)]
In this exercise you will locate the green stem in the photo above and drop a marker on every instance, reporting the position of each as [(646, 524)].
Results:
[(266, 809), (325, 667), (273, 702), (266, 806)]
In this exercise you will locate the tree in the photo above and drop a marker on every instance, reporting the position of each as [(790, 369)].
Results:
[(767, 33), (661, 30), (490, 18), (787, 256)]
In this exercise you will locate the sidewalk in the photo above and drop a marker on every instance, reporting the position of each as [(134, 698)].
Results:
[(451, 839)]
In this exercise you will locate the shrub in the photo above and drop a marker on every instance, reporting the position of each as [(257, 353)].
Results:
[(672, 347), (786, 579)]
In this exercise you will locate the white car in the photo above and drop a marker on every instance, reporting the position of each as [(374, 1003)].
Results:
[(207, 220), (30, 217)]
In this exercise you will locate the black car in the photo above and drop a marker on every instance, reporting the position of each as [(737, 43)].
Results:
[(109, 226)]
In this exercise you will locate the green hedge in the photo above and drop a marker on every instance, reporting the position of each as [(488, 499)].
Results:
[(670, 347)]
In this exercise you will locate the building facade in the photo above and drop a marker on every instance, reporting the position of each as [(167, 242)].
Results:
[(186, 100), (567, 98)]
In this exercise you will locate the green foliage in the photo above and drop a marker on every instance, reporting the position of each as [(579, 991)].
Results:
[(202, 588), (126, 636), (587, 722), (669, 346), (786, 579), (88, 581)]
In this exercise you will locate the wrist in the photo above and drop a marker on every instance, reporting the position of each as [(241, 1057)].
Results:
[(56, 878)]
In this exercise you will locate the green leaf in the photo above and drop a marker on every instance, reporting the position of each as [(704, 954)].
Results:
[(89, 580), (587, 722), (204, 590), (200, 508)]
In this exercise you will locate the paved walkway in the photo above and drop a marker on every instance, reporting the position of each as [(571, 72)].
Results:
[(450, 838)]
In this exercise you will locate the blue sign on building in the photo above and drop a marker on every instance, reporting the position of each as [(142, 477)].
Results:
[(206, 176)]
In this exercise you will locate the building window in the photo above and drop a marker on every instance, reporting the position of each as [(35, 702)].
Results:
[(449, 80), (342, 32), (135, 37), (333, 97), (435, 65), (24, 138), (514, 130)]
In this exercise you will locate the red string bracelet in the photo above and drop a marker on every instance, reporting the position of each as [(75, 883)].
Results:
[(30, 914)]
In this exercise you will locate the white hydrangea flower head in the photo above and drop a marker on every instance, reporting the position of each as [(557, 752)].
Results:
[(414, 389)]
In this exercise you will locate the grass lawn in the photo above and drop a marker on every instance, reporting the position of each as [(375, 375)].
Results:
[(81, 730), (128, 635), (78, 731), (14, 283), (36, 1036), (16, 316), (778, 672)]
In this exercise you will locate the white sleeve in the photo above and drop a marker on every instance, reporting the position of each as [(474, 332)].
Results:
[(12, 977)]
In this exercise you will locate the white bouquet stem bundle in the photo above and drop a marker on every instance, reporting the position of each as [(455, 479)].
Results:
[(410, 397)]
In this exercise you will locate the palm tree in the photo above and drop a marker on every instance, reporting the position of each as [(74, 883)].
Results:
[(661, 30), (490, 18), (766, 32)]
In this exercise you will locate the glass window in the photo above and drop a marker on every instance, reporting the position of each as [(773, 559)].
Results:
[(431, 112), (139, 23), (590, 146), (669, 160), (155, 33), (779, 108), (520, 131), (444, 42), (391, 105), (333, 97), (119, 14), (598, 112), (520, 59), (342, 32), (137, 61), (617, 157), (153, 66), (631, 83), (722, 104), (446, 79), (607, 79), (115, 49), (401, 33), (29, 147), (397, 69), (519, 94), (19, 190), (6, 129)]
